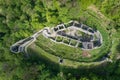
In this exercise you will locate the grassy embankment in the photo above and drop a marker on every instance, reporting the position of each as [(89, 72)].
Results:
[(52, 59)]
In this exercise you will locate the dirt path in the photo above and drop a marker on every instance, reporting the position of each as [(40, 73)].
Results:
[(105, 21)]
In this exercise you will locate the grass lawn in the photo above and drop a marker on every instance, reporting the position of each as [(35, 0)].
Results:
[(66, 40), (58, 49), (73, 42), (36, 50), (80, 33), (59, 39)]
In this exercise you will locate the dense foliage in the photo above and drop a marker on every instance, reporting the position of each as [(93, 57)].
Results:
[(21, 18)]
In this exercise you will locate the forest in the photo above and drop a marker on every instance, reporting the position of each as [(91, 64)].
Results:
[(21, 18)]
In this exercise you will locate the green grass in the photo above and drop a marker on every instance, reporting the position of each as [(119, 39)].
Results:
[(113, 49), (79, 33), (38, 51), (73, 42), (59, 39), (66, 40), (33, 49), (58, 49)]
